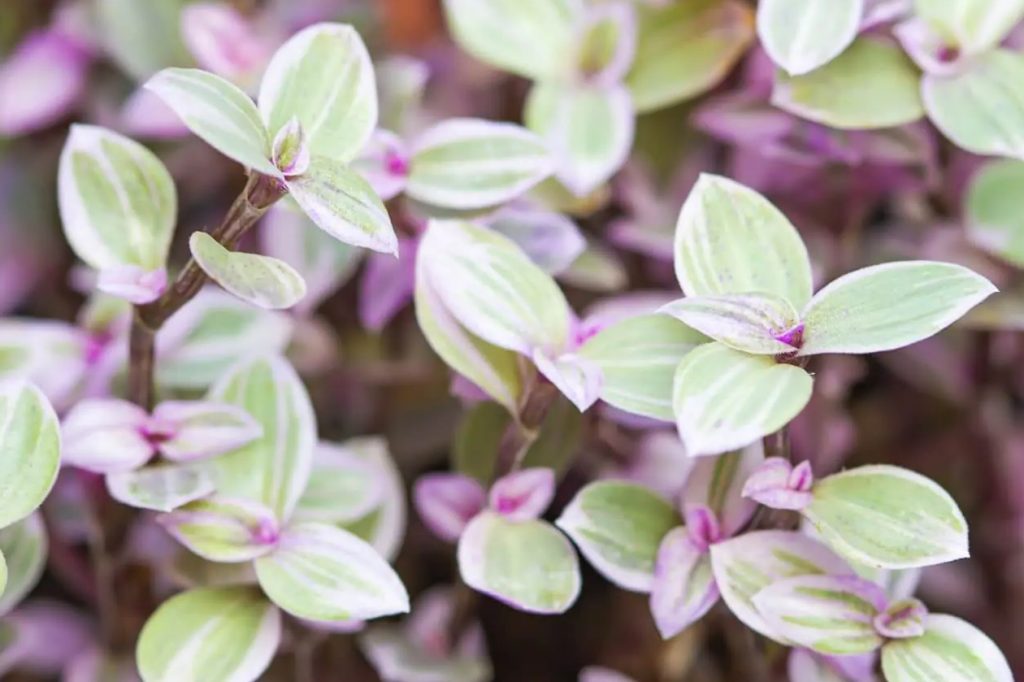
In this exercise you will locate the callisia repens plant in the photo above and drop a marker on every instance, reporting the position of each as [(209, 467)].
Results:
[(515, 340)]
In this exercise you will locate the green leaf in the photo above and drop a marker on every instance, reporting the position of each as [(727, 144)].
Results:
[(23, 547), (888, 517), (638, 357), (618, 527), (161, 487), (273, 469), (142, 37), (751, 323), (477, 439), (725, 399), (950, 650), (29, 450), (558, 439), (221, 633), (323, 573), (995, 210), (392, 649), (528, 565), (972, 26), (261, 280), (223, 529), (873, 84), (802, 35), (731, 240), (981, 109), (890, 306), (384, 527), (323, 77), (686, 48), (343, 487)]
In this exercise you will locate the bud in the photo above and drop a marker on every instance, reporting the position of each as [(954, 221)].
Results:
[(291, 155)]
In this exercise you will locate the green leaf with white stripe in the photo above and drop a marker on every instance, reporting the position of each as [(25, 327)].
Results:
[(273, 469), (472, 163), (725, 399), (801, 35), (731, 240), (29, 450), (324, 573), (890, 306), (323, 77), (748, 322), (951, 650), (261, 280), (618, 527), (972, 26), (384, 527), (229, 634), (161, 487), (23, 546), (223, 529), (995, 210), (218, 113), (344, 487), (117, 201), (888, 517)]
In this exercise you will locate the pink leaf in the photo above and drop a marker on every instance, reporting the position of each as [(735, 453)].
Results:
[(523, 495), (191, 430), (224, 42), (684, 588), (106, 436), (777, 484), (902, 620), (41, 81), (132, 283), (447, 502)]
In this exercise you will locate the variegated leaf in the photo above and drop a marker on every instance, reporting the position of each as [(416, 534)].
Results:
[(30, 449), (802, 35), (343, 487), (994, 210), (753, 323), (161, 487), (971, 26), (261, 280), (950, 650), (384, 527), (223, 529), (717, 484), (684, 586), (23, 546)]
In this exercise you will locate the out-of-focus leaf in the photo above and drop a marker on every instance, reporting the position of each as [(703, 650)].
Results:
[(396, 656), (684, 586), (162, 487), (477, 439), (598, 269), (578, 378), (524, 494), (223, 529), (752, 323), (261, 280), (104, 435), (558, 439), (23, 547), (801, 35), (972, 26), (995, 210), (29, 450), (550, 239), (384, 527), (717, 484), (142, 37), (199, 429), (46, 353), (951, 650), (447, 502), (343, 487)]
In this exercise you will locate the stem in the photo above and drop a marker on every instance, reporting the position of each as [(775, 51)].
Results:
[(103, 570), (523, 430), (305, 657)]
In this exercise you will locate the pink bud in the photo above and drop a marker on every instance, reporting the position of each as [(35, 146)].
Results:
[(702, 526), (777, 484), (291, 153), (447, 502), (133, 284), (523, 495)]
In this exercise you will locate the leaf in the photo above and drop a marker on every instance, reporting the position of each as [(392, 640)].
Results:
[(323, 77), (731, 240), (29, 450), (221, 633), (198, 429), (275, 468), (871, 85), (889, 306), (951, 650), (344, 205), (104, 435), (618, 527), (745, 565), (558, 438), (397, 655), (47, 353), (524, 494), (589, 130), (802, 35), (477, 439), (117, 201), (343, 486), (980, 109), (994, 212), (751, 323), (530, 565), (685, 49), (23, 547), (384, 527), (717, 484), (550, 239), (447, 502), (725, 399), (972, 26), (531, 38), (142, 37), (888, 517), (162, 487), (217, 112), (638, 357), (320, 572), (577, 378), (260, 280), (684, 588), (223, 529)]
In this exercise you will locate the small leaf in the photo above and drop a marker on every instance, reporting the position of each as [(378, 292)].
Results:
[(343, 487), (725, 399), (889, 306), (731, 240), (618, 527), (684, 587), (260, 280), (222, 529), (549, 238), (23, 547), (447, 502), (132, 283), (995, 212), (888, 517), (802, 35), (579, 379), (384, 527), (971, 26), (219, 113), (529, 566), (523, 495), (324, 573), (221, 633), (198, 429), (106, 435), (752, 323), (716, 483), (950, 650), (47, 353), (29, 450), (162, 487), (871, 85)]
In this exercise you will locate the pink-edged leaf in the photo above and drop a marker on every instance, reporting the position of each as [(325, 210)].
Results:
[(161, 487), (684, 587), (806, 666), (145, 115), (48, 635), (224, 529), (523, 495), (105, 436), (289, 149), (578, 378), (717, 482), (779, 485), (951, 650), (41, 81), (132, 283), (550, 239), (223, 41), (903, 619), (203, 429), (384, 163), (607, 43), (753, 323), (447, 502)]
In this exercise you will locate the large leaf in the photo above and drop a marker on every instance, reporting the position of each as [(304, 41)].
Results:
[(994, 210), (225, 633), (972, 26), (731, 240), (323, 573), (162, 487), (888, 517), (890, 306), (23, 546), (223, 529), (801, 35), (29, 450), (950, 650), (752, 323), (618, 527), (725, 399), (261, 280), (323, 77), (219, 113)]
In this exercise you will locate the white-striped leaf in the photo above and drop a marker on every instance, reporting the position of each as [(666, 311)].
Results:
[(752, 323), (951, 650), (29, 450), (888, 517), (801, 35), (23, 546), (224, 529), (618, 527), (161, 487), (343, 487), (273, 469), (261, 280), (384, 527), (684, 586), (717, 483), (47, 353), (323, 77), (199, 429), (218, 113), (323, 573), (529, 565), (579, 379), (725, 399), (745, 565), (731, 240), (229, 634), (472, 163), (972, 26), (117, 201), (890, 306), (995, 210)]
